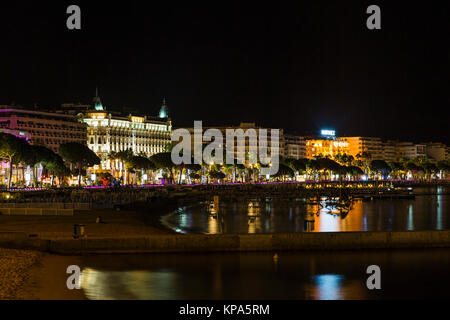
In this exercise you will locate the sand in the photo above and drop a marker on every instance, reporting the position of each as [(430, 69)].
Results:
[(116, 224), (15, 271), (26, 274), (47, 280)]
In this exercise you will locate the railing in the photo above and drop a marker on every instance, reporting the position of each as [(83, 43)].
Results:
[(36, 212), (45, 205)]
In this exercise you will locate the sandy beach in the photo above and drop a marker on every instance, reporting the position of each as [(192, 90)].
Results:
[(115, 224), (15, 271), (28, 274), (32, 275)]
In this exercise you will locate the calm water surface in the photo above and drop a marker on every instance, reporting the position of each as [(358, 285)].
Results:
[(321, 275), (430, 210), (405, 274)]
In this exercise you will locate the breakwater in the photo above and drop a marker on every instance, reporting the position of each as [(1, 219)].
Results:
[(233, 242)]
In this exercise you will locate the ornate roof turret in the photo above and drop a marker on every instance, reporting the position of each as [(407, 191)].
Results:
[(164, 111), (97, 103)]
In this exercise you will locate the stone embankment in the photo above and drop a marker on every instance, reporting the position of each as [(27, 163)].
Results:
[(233, 242)]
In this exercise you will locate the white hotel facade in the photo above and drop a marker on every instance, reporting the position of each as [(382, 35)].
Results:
[(108, 132)]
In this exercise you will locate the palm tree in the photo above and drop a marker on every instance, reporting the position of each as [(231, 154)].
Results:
[(229, 170), (380, 167), (112, 157), (283, 172), (124, 156), (355, 171), (429, 169), (47, 159), (79, 155), (312, 168), (163, 161), (340, 158), (217, 175), (412, 168), (396, 169), (12, 149), (298, 165), (366, 157), (139, 163), (348, 160), (444, 168), (329, 166)]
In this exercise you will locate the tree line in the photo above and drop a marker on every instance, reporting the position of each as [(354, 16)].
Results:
[(73, 159), (17, 153)]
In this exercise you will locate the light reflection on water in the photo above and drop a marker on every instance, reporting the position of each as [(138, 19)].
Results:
[(302, 275), (440, 204), (327, 286), (430, 211), (131, 285)]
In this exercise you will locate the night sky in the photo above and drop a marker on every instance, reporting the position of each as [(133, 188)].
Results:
[(300, 67)]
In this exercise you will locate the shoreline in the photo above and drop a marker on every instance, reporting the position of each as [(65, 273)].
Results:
[(46, 280)]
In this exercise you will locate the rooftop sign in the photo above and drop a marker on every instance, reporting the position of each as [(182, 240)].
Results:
[(331, 133)]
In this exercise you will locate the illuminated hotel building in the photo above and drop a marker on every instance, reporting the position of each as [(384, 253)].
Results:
[(370, 145), (109, 132), (325, 147), (42, 128)]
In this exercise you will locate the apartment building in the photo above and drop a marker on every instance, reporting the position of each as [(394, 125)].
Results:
[(294, 146), (409, 150), (370, 145), (389, 150), (436, 151), (43, 128), (242, 137)]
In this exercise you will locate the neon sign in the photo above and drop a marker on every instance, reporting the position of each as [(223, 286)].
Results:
[(328, 133)]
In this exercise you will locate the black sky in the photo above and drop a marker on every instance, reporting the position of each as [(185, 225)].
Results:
[(297, 65)]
